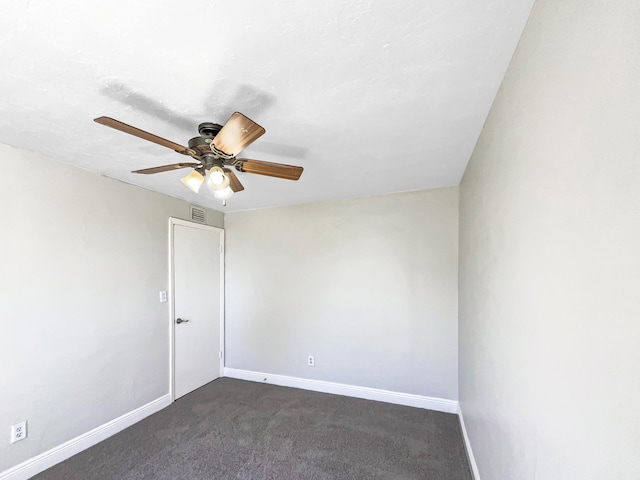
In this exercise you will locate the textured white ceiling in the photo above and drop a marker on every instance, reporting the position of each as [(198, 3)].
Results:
[(370, 97)]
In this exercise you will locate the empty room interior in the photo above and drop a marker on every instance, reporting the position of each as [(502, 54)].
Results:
[(339, 240)]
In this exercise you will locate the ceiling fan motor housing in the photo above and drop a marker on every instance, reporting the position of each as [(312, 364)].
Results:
[(202, 144)]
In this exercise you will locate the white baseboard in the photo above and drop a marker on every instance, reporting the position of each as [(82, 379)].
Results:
[(57, 454), (467, 444), (407, 399)]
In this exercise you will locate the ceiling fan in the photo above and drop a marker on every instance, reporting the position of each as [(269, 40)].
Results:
[(214, 150)]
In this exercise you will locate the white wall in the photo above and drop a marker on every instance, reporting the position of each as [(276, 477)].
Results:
[(550, 254), (368, 286), (84, 338)]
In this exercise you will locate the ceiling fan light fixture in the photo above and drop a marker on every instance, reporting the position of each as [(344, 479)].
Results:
[(217, 179), (224, 193), (216, 176), (193, 181)]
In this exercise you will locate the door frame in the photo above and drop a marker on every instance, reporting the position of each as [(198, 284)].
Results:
[(171, 297)]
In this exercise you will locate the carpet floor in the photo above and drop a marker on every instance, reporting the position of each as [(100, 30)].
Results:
[(234, 429)]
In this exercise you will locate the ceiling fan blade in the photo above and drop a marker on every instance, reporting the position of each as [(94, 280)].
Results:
[(279, 170), (123, 127), (237, 134), (234, 183), (166, 168)]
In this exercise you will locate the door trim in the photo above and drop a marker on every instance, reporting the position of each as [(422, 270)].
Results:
[(185, 223)]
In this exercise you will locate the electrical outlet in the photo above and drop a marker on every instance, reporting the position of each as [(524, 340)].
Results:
[(163, 296), (311, 361), (18, 431)]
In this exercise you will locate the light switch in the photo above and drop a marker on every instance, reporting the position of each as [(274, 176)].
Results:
[(163, 296)]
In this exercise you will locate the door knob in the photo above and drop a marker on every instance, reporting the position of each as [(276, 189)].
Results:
[(179, 321)]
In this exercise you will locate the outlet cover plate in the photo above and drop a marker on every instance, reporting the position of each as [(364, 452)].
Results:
[(18, 432)]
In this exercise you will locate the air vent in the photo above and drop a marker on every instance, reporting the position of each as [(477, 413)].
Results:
[(197, 214)]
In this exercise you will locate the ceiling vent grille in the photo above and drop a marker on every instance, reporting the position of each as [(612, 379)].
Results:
[(197, 214)]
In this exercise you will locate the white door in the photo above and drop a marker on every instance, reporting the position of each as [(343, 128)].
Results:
[(197, 305)]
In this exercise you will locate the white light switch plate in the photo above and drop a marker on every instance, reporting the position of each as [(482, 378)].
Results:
[(163, 296)]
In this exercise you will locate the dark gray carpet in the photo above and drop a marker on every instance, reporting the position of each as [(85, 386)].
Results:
[(233, 429)]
